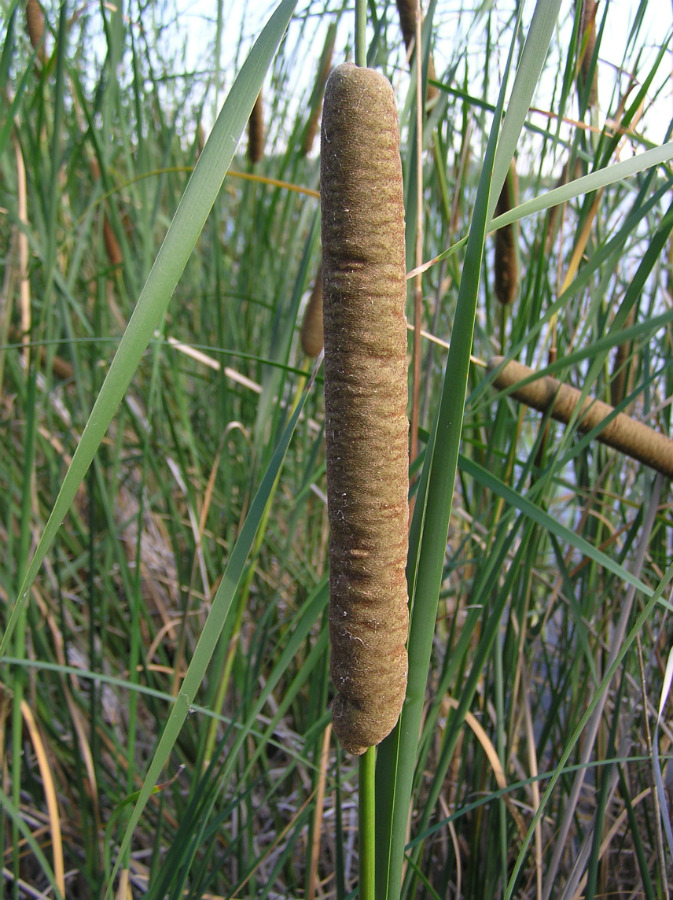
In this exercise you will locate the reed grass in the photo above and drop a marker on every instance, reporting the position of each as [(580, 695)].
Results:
[(164, 666)]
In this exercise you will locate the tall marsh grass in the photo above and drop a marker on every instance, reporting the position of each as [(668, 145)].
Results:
[(164, 671)]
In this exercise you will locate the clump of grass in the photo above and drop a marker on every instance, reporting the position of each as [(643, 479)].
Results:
[(366, 429), (198, 484)]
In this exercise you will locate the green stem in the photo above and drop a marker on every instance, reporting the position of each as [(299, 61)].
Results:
[(367, 824), (360, 32)]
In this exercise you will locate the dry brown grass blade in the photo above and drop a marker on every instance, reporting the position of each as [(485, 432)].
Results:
[(623, 433), (494, 761), (49, 794), (318, 814)]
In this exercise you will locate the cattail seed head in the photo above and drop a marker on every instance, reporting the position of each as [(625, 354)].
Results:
[(324, 68), (587, 36), (256, 131), (112, 247), (506, 265), (35, 27), (366, 428), (564, 403), (407, 13), (311, 329)]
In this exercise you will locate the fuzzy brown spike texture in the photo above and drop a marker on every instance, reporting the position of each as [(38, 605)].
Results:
[(366, 427)]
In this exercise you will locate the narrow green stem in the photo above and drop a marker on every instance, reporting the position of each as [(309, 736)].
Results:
[(360, 32), (367, 824)]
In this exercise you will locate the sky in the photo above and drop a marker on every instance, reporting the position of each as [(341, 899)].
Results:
[(247, 18)]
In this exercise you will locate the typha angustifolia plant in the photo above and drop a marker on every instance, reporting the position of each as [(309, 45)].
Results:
[(199, 408)]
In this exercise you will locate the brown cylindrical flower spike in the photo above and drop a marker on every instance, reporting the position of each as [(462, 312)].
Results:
[(407, 14), (256, 131), (311, 329), (587, 36), (506, 264), (366, 428), (623, 433), (324, 68), (35, 27)]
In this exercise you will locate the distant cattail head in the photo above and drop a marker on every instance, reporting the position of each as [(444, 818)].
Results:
[(35, 27), (256, 131), (366, 428), (324, 68), (200, 139), (587, 48), (311, 329), (407, 14), (506, 265), (112, 247)]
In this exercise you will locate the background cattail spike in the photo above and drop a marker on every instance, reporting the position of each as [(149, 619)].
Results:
[(256, 131), (506, 265), (311, 329), (623, 433), (35, 27), (407, 13), (324, 67), (587, 37)]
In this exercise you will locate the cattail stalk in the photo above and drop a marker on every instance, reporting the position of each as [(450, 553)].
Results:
[(622, 433), (366, 428)]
